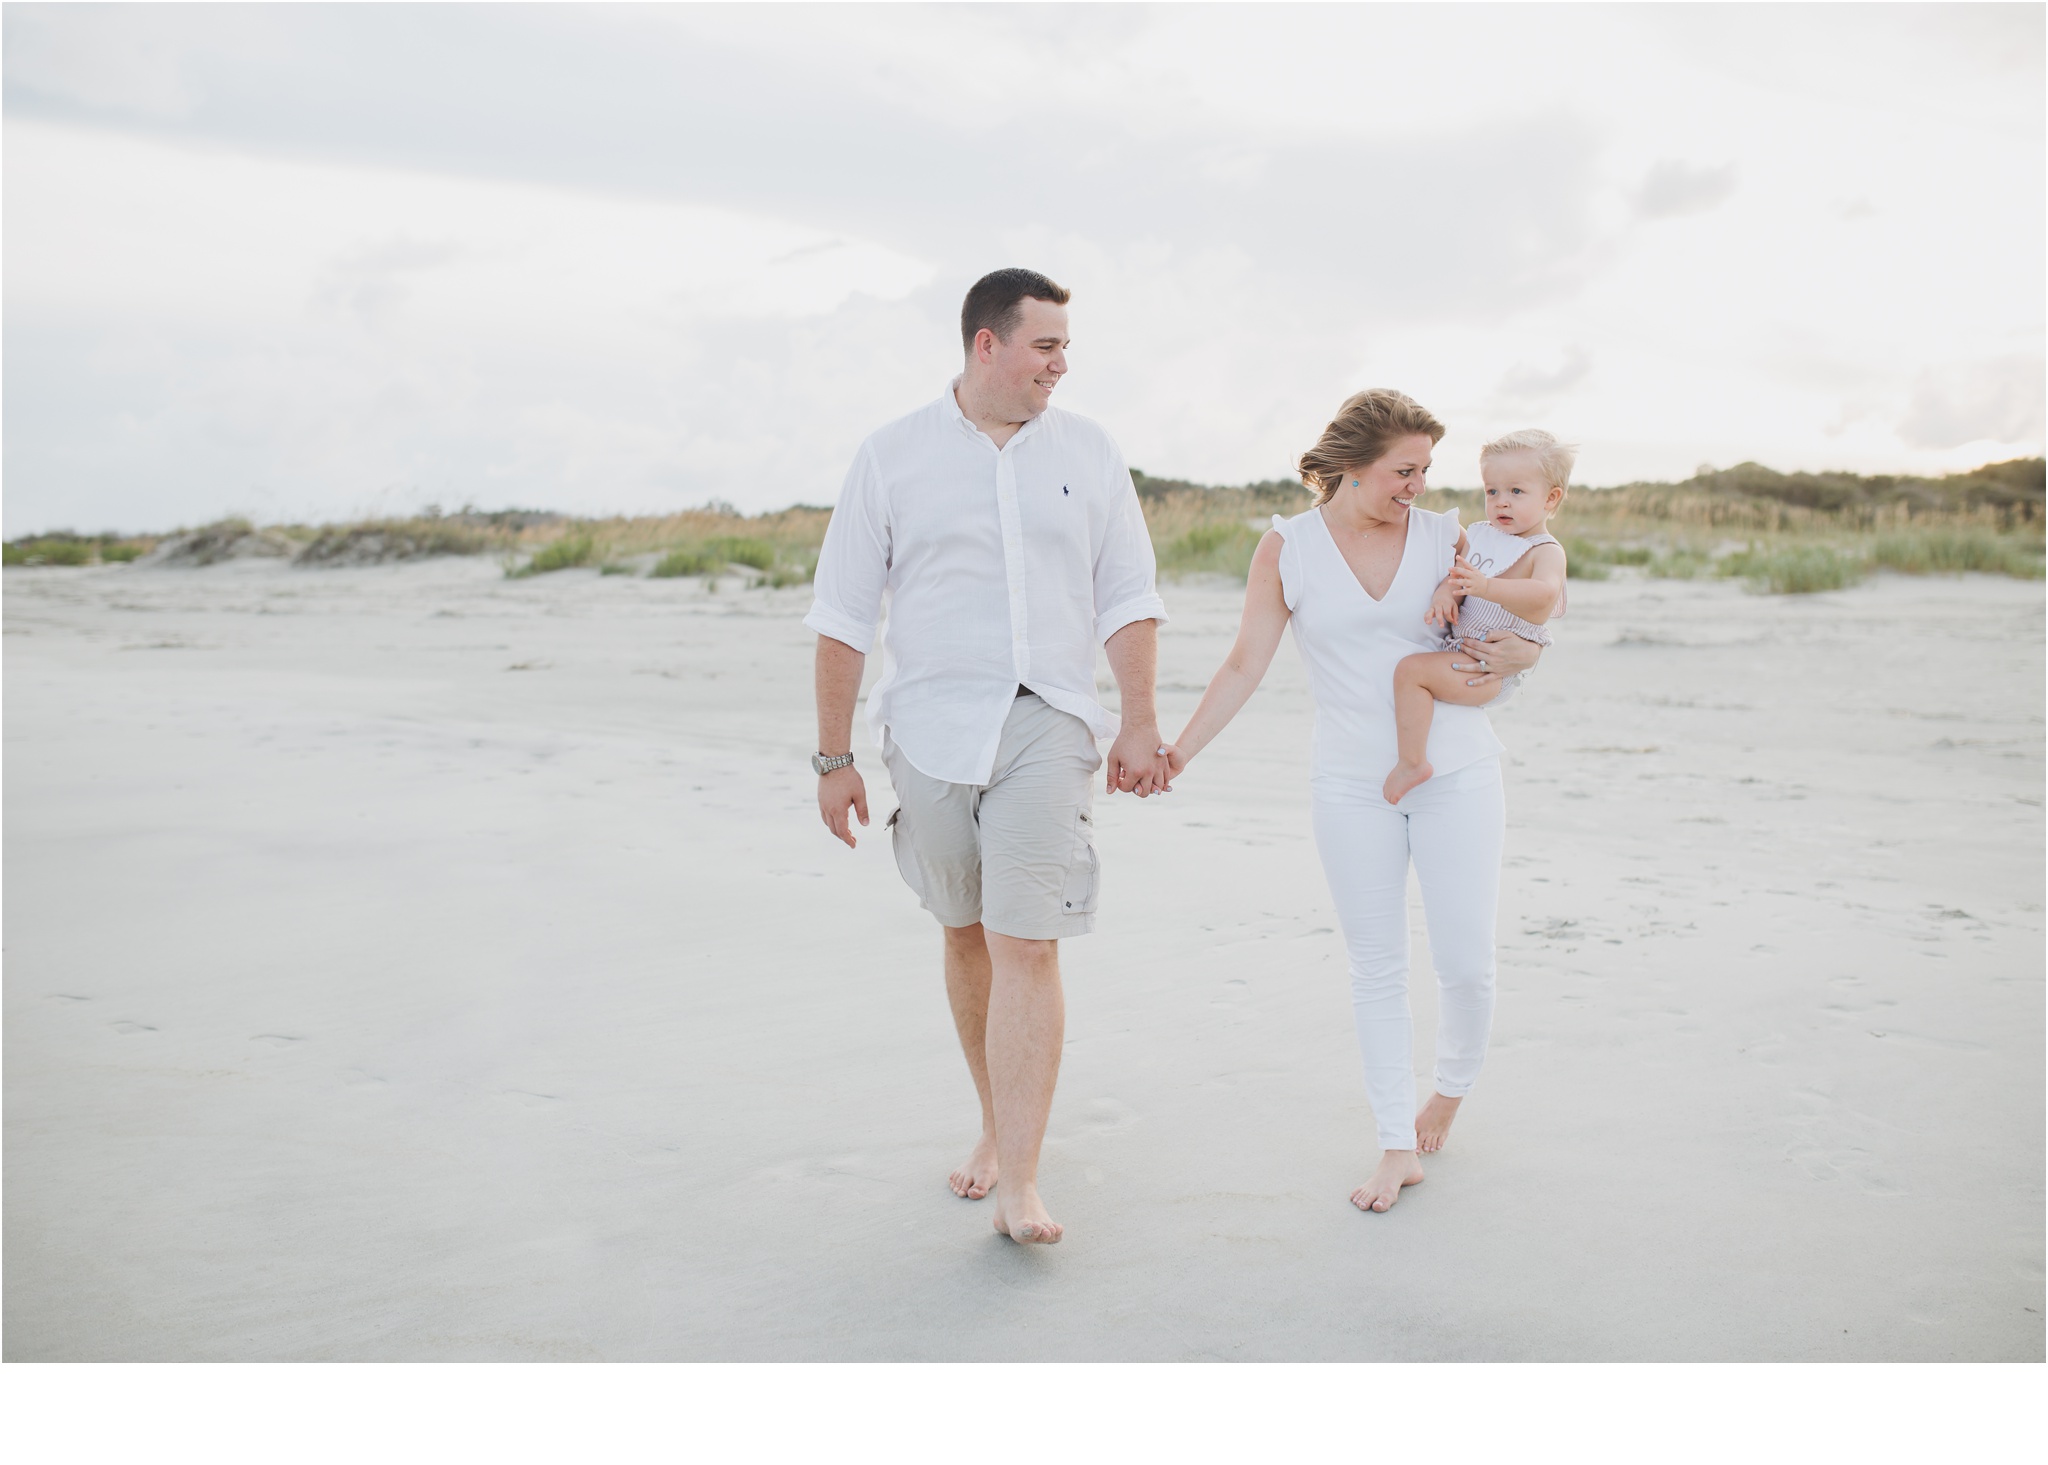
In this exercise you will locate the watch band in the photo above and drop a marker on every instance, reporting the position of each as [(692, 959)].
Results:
[(825, 765)]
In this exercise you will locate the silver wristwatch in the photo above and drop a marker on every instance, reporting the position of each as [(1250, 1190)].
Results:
[(826, 765)]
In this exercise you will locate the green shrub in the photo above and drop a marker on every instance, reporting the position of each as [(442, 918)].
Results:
[(615, 569), (120, 554), (1590, 559), (58, 550), (1956, 551), (13, 554), (783, 575), (685, 562), (1211, 549), (1680, 564), (563, 554), (1796, 570), (755, 554), (385, 541)]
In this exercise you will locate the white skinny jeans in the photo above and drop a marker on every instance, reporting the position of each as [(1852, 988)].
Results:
[(1452, 827)]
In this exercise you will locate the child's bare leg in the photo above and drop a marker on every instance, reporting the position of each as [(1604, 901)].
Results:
[(1420, 682)]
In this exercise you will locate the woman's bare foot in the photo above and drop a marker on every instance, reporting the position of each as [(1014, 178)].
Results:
[(977, 1177), (1405, 777), (1433, 1124), (1022, 1217), (1396, 1169)]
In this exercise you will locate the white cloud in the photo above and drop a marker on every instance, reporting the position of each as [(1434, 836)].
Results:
[(1997, 401), (300, 259), (1672, 188)]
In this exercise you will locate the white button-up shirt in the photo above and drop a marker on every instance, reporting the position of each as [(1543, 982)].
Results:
[(1003, 566)]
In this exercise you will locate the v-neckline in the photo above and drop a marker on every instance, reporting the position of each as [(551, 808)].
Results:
[(1407, 533)]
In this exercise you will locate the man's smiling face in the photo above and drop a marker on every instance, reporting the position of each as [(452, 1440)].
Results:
[(1023, 370)]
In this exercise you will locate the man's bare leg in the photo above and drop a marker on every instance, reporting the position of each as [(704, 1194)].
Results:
[(1433, 1124), (967, 981), (1397, 1168), (1027, 1022)]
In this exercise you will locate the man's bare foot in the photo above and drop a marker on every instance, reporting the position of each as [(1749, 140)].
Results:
[(1405, 777), (1396, 1169), (1022, 1217), (1433, 1124), (977, 1177)]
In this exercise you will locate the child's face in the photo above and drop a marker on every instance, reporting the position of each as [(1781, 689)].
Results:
[(1517, 498)]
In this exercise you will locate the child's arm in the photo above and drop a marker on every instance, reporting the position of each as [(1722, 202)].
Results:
[(1443, 606), (1532, 597)]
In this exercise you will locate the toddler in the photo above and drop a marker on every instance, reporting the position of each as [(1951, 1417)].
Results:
[(1508, 576)]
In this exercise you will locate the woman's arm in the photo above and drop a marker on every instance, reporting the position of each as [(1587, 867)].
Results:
[(1501, 654), (1258, 636)]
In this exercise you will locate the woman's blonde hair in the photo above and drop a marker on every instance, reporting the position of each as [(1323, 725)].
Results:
[(1554, 459), (1365, 427)]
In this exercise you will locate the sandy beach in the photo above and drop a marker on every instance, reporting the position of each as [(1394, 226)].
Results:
[(412, 963)]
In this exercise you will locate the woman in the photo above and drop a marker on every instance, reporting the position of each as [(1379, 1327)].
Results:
[(1355, 575)]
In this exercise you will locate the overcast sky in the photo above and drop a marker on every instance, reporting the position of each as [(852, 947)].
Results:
[(309, 262)]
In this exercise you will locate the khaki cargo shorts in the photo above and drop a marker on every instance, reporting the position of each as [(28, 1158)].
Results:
[(1016, 854)]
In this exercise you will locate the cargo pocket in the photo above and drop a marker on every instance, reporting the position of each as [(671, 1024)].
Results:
[(906, 856), (1084, 874)]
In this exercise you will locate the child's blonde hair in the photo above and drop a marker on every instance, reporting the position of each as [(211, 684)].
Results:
[(1553, 458)]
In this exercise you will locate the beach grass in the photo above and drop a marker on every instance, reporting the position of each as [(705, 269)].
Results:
[(567, 553), (1796, 569), (679, 562), (63, 548), (1210, 549), (1939, 551), (1785, 533)]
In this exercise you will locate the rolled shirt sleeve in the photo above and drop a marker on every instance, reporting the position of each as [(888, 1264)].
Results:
[(1126, 588), (853, 563)]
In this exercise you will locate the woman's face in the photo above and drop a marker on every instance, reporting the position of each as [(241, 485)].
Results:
[(1385, 487)]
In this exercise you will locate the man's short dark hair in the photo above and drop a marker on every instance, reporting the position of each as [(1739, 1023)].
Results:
[(997, 302)]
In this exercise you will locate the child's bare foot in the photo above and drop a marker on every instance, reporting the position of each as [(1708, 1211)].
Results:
[(1433, 1124), (1022, 1217), (977, 1177), (1397, 1168), (1405, 777)]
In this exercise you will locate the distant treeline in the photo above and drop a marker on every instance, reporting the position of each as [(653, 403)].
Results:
[(1196, 528), (2014, 489)]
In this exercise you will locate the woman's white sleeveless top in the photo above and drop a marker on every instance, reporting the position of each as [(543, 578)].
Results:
[(1351, 644)]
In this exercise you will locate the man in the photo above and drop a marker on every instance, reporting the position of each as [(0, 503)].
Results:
[(1009, 539)]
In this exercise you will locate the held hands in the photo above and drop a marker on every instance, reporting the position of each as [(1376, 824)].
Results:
[(838, 790), (1134, 765)]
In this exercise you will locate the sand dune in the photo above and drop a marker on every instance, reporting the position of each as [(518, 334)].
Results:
[(411, 963)]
